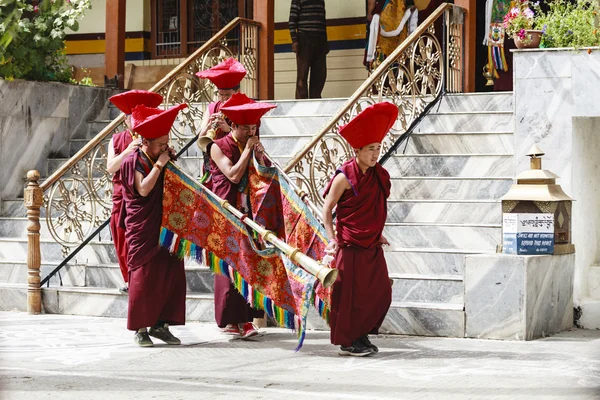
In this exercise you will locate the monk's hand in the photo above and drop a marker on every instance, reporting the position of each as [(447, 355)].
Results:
[(163, 159), (133, 145), (259, 150), (332, 247), (384, 241), (295, 47), (252, 142)]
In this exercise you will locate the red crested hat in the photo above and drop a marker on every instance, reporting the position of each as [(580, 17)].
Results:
[(226, 75), (248, 113), (152, 123), (237, 100), (127, 101), (371, 125)]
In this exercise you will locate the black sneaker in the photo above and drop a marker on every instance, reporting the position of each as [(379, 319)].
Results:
[(124, 290), (364, 340), (142, 339), (357, 349), (163, 333)]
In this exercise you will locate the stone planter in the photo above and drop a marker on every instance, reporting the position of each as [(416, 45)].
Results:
[(530, 41)]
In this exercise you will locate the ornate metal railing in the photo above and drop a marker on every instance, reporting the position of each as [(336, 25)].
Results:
[(78, 196), (417, 73)]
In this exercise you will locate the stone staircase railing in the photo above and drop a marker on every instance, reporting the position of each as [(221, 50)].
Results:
[(78, 196), (417, 73)]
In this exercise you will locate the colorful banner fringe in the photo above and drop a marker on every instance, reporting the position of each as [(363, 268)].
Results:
[(193, 219)]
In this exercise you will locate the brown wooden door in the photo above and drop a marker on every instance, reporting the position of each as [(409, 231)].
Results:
[(182, 26)]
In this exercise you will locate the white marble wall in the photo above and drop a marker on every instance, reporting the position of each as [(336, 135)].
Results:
[(556, 99), (37, 120), (518, 297)]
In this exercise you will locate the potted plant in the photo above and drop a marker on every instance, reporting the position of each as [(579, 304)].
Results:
[(568, 24), (518, 23)]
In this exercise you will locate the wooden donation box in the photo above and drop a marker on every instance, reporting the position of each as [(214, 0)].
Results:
[(536, 213)]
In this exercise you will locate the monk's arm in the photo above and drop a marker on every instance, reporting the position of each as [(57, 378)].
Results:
[(144, 185), (370, 8), (339, 185), (113, 163), (233, 172)]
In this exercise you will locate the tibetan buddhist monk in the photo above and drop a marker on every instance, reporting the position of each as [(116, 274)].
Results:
[(156, 279), (230, 156), (121, 145), (362, 293), (226, 76)]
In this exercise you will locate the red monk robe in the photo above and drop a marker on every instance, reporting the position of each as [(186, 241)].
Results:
[(230, 306), (362, 293), (156, 279), (120, 142)]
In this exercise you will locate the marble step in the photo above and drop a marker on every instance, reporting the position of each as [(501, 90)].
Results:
[(467, 102), (404, 318), (497, 121), (442, 165), (412, 288), (464, 189), (316, 107), (460, 143), (446, 213), (430, 262), (480, 238), (199, 278), (15, 227)]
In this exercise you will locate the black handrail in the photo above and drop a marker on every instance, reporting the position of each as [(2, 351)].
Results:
[(64, 262)]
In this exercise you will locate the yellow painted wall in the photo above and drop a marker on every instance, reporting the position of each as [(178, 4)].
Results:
[(334, 8), (137, 17)]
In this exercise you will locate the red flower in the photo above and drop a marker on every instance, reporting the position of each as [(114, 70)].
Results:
[(36, 9)]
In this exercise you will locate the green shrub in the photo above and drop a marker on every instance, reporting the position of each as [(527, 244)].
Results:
[(32, 38), (569, 24)]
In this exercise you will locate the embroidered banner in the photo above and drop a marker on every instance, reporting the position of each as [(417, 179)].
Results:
[(276, 206), (268, 280)]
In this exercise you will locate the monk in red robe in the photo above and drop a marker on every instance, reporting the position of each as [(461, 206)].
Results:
[(156, 279), (230, 156), (121, 145), (362, 294), (226, 76)]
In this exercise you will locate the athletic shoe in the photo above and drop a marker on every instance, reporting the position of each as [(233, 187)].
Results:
[(355, 350), (142, 339), (163, 333), (231, 329), (248, 330), (364, 340), (124, 290)]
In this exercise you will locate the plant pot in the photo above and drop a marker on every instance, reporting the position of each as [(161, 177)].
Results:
[(530, 41)]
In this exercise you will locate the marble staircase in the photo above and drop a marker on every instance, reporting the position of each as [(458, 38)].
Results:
[(444, 205)]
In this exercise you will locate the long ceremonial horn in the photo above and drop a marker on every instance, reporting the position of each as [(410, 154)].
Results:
[(327, 276)]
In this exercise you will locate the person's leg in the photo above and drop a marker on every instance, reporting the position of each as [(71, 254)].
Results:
[(318, 67), (302, 65)]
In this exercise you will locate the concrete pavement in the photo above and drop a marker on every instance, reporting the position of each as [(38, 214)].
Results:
[(71, 357)]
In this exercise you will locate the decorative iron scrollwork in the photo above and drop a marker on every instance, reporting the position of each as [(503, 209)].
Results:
[(411, 78), (78, 198)]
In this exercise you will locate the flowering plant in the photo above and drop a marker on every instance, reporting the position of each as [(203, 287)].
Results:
[(569, 24), (32, 38), (518, 20)]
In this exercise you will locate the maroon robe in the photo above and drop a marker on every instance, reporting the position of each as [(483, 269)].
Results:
[(362, 294), (120, 141), (156, 279), (230, 306)]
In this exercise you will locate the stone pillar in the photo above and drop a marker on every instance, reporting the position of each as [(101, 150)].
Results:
[(264, 12), (33, 199), (114, 56), (470, 43)]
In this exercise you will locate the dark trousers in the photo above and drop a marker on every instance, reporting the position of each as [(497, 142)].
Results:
[(311, 57)]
